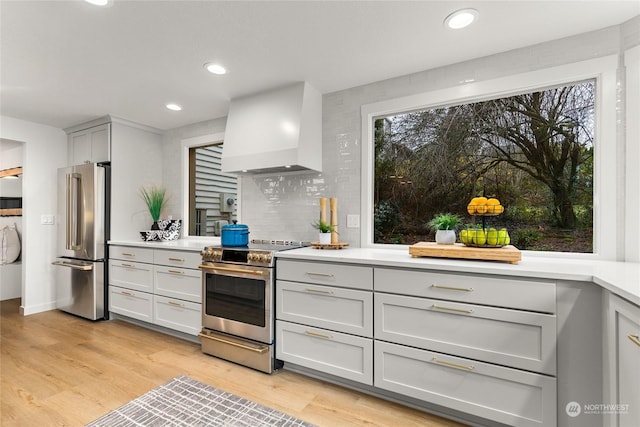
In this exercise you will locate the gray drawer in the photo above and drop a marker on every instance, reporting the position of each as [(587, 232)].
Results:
[(324, 273), (338, 309), (524, 294), (131, 253), (172, 258)]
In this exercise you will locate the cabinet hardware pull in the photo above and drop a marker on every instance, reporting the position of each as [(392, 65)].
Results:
[(126, 265), (453, 365), (176, 271), (234, 270), (319, 291), (312, 273), (451, 288), (315, 334), (455, 310), (176, 259), (260, 349), (129, 294), (128, 254), (175, 304), (634, 339)]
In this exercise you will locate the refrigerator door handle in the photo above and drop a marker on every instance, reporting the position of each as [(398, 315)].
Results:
[(73, 211), (83, 267)]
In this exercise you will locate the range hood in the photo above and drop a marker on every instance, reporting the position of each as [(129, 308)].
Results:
[(275, 131)]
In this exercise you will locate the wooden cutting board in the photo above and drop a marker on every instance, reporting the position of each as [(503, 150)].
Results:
[(508, 253)]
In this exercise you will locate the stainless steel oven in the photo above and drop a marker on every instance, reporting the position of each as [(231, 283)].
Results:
[(238, 303)]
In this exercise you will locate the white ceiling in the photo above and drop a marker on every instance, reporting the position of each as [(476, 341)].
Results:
[(66, 62)]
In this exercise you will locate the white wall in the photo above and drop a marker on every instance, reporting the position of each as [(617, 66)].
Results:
[(136, 161), (44, 151)]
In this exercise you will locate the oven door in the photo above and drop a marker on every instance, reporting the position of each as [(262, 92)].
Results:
[(237, 300)]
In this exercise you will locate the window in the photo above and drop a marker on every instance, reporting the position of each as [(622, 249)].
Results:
[(544, 143), (532, 151), (210, 193)]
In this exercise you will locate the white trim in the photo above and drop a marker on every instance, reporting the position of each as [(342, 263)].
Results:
[(603, 69), (632, 154)]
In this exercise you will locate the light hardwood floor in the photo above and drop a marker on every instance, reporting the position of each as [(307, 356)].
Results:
[(60, 370)]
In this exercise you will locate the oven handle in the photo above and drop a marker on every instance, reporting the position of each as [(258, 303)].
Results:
[(235, 270), (260, 350)]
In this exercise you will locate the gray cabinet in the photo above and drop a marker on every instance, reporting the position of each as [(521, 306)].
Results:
[(90, 145), (509, 396), (480, 344), (324, 318), (623, 347), (158, 286)]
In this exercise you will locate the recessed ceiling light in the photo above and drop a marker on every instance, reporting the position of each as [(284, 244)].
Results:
[(173, 107), (461, 18), (215, 68), (99, 2)]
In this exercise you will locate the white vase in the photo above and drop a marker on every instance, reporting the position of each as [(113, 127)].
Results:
[(325, 238), (445, 237)]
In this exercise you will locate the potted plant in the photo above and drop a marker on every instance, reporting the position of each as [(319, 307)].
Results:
[(154, 199), (325, 231), (445, 225)]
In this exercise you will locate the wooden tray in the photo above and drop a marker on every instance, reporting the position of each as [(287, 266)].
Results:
[(338, 245), (508, 253)]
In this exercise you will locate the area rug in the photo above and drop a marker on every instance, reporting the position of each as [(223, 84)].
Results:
[(184, 401)]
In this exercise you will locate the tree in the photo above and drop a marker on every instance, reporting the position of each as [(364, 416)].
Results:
[(548, 135)]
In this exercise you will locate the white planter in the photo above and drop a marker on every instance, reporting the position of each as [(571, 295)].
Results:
[(324, 238), (445, 237)]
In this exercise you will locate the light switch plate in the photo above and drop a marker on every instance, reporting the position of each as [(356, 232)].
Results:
[(353, 221), (47, 219)]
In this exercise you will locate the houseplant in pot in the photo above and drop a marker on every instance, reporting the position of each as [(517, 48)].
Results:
[(154, 198), (324, 230), (445, 225)]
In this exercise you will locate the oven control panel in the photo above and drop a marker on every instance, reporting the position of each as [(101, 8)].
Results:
[(262, 258), (211, 254)]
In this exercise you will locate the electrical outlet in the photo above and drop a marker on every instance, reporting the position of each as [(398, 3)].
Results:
[(353, 221)]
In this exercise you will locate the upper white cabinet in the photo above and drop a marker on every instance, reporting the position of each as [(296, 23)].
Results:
[(90, 145), (623, 355)]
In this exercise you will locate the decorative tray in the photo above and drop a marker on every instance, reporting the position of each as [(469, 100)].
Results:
[(506, 253), (338, 245)]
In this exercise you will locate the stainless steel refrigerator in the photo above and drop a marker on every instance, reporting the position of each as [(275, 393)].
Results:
[(83, 231)]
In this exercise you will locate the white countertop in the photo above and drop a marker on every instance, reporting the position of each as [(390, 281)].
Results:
[(194, 245), (621, 278)]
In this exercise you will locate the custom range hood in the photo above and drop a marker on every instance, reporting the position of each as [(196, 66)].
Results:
[(275, 131)]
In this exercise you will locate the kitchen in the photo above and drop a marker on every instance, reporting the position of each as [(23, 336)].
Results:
[(45, 150)]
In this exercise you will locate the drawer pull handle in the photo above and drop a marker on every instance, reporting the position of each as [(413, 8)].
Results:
[(126, 265), (257, 349), (453, 365), (129, 294), (455, 310), (319, 291), (315, 334), (451, 288), (175, 271), (128, 254), (175, 304), (176, 259), (312, 273), (634, 339)]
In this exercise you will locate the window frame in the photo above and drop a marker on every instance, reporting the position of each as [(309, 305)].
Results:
[(607, 243), (187, 144)]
